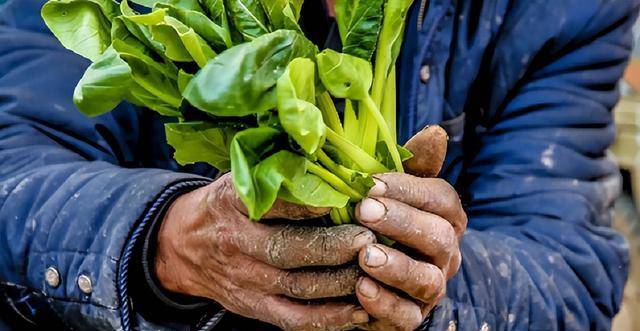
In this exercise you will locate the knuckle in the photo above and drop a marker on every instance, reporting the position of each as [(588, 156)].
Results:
[(445, 240), (226, 193), (226, 242), (429, 281), (291, 284)]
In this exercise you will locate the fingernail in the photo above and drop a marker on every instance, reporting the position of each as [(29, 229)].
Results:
[(368, 288), (359, 317), (362, 240), (371, 210), (379, 189), (375, 257)]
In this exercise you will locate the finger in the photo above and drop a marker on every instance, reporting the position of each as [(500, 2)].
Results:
[(327, 283), (429, 234), (391, 311), (429, 148), (429, 194), (422, 281), (227, 195), (289, 247), (289, 315)]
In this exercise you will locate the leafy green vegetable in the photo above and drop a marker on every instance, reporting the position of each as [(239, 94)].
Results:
[(139, 30), (311, 190), (83, 26), (349, 77), (200, 142), (217, 35), (192, 5), (241, 81), (299, 117), (345, 76), (104, 85), (247, 150), (256, 107), (183, 80), (248, 18), (152, 76), (281, 14), (359, 25), (182, 43)]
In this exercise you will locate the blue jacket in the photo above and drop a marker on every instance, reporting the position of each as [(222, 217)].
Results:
[(524, 87)]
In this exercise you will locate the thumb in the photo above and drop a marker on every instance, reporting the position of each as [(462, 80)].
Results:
[(429, 148)]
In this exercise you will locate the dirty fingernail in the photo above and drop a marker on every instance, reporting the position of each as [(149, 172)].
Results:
[(375, 257), (359, 317), (363, 239), (371, 210), (368, 288), (379, 189)]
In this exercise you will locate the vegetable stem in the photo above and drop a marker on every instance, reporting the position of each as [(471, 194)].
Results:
[(371, 108), (389, 103), (330, 113), (351, 127), (333, 180), (365, 161)]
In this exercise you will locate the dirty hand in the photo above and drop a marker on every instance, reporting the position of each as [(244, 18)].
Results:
[(207, 247), (425, 217)]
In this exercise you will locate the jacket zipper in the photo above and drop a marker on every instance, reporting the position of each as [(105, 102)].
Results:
[(423, 8)]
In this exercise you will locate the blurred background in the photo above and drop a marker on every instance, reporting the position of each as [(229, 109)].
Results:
[(627, 151)]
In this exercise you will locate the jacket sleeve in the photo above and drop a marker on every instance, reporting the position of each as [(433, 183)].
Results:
[(73, 190), (539, 186)]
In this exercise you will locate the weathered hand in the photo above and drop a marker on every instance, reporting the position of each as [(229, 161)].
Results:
[(207, 247), (426, 218)]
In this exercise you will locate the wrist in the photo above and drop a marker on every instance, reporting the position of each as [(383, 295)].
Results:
[(170, 264)]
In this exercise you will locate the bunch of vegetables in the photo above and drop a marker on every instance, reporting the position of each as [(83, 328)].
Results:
[(249, 92)]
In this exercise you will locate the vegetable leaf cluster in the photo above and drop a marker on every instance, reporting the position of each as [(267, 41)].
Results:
[(247, 91)]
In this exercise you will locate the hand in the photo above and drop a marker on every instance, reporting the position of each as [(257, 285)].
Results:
[(207, 247), (425, 217)]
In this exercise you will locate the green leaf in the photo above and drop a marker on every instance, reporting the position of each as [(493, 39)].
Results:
[(248, 18), (193, 5), (183, 80), (82, 26), (143, 98), (299, 117), (152, 18), (281, 14), (269, 175), (218, 14), (389, 44), (182, 43), (311, 190), (217, 35), (247, 149), (241, 80), (126, 42), (296, 7), (382, 153), (359, 23), (139, 30), (104, 85), (154, 77), (200, 142), (344, 75)]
